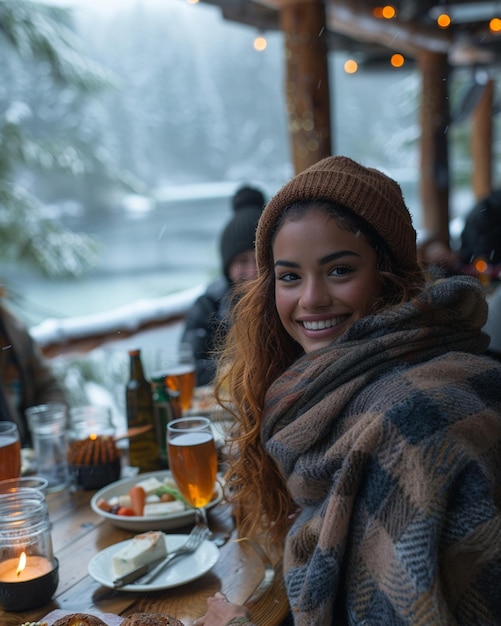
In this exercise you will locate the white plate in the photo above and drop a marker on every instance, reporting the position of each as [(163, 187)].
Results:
[(183, 570), (139, 524)]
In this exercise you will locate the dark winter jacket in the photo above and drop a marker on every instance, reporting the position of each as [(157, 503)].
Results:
[(26, 378), (206, 327)]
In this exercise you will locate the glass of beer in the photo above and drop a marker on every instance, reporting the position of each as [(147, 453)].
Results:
[(180, 374), (10, 451), (193, 460)]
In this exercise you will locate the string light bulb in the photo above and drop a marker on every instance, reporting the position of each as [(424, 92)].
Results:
[(495, 25), (389, 12), (350, 66), (444, 20), (397, 60), (386, 12), (260, 43)]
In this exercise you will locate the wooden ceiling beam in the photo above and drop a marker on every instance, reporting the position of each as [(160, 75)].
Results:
[(406, 37), (354, 19)]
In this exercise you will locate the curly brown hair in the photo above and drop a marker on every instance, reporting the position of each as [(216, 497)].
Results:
[(257, 351)]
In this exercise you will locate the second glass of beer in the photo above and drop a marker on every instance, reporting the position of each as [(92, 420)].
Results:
[(179, 370), (10, 451)]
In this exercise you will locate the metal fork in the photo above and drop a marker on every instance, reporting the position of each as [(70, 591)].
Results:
[(195, 538)]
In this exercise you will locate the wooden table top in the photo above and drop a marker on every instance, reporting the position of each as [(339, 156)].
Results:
[(78, 534)]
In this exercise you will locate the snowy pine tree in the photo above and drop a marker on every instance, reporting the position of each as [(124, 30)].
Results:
[(44, 79)]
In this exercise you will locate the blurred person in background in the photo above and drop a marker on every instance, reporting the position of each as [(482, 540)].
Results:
[(480, 255), (481, 236), (206, 322), (26, 378), (438, 258)]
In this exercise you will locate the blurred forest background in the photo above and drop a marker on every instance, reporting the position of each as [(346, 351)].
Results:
[(126, 126)]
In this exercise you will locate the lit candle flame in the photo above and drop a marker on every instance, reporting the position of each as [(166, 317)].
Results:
[(22, 563), (93, 436)]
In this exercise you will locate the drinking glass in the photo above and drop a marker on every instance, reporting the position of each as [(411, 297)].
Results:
[(193, 460), (13, 485), (48, 424), (90, 421), (180, 372), (10, 451)]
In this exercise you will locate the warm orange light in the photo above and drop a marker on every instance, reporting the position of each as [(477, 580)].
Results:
[(350, 66), (443, 20), (192, 1), (260, 43), (389, 12), (481, 266), (93, 436), (377, 12), (397, 60), (495, 25), (22, 563)]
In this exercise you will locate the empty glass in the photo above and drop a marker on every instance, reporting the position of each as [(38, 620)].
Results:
[(48, 425), (89, 420)]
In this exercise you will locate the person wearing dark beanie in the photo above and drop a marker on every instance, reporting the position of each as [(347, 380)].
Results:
[(206, 321), (239, 233)]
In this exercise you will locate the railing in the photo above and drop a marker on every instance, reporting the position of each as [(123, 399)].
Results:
[(84, 333)]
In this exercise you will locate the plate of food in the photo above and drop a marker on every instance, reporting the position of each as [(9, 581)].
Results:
[(103, 566), (149, 501), (59, 617)]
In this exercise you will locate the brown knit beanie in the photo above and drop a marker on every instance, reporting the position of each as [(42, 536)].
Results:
[(366, 191)]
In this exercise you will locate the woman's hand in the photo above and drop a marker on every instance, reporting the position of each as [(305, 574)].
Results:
[(220, 612)]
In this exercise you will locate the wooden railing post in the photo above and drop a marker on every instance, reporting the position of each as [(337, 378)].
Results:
[(481, 143), (434, 157)]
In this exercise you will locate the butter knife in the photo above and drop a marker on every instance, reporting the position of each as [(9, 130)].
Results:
[(121, 581)]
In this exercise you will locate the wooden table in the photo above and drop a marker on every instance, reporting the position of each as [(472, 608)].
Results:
[(78, 534)]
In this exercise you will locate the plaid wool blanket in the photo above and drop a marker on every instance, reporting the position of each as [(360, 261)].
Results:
[(390, 442)]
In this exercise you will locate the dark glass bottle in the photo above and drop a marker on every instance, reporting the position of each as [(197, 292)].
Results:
[(143, 448), (163, 412)]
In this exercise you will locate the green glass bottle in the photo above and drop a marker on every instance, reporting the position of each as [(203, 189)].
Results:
[(163, 413), (143, 448)]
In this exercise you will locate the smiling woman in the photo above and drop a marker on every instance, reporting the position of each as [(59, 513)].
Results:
[(345, 363)]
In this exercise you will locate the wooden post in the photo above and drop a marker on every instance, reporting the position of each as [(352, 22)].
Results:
[(481, 143), (434, 145), (307, 82)]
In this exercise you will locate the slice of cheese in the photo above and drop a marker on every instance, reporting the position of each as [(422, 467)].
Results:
[(163, 508), (141, 550), (149, 484)]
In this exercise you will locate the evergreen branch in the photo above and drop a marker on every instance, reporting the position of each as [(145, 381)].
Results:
[(49, 154), (27, 237), (40, 32)]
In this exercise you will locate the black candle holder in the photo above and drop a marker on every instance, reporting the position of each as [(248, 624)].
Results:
[(29, 594)]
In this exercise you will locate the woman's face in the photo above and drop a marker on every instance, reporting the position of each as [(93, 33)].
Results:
[(326, 278)]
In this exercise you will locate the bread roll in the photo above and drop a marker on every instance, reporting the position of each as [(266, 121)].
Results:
[(79, 619), (151, 619)]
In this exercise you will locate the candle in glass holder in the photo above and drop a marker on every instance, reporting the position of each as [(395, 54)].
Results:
[(24, 568), (28, 570), (93, 457)]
